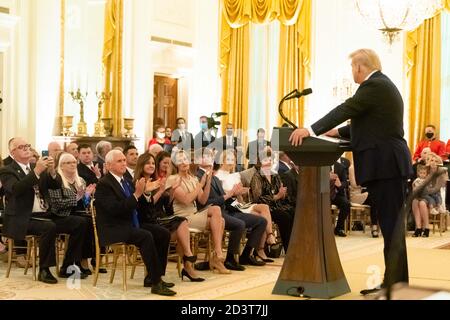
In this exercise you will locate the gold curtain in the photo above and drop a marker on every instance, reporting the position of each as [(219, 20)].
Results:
[(294, 65), (423, 63), (234, 47), (447, 4), (235, 94), (112, 62)]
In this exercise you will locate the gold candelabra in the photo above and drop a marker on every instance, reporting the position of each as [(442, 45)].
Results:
[(100, 130), (79, 98)]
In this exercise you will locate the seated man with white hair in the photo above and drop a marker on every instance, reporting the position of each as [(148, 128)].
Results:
[(102, 148), (155, 149), (116, 203)]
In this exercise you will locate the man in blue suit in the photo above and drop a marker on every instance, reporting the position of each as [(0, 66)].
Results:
[(381, 156)]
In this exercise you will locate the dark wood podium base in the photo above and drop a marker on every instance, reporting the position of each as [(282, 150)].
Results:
[(312, 260), (326, 290)]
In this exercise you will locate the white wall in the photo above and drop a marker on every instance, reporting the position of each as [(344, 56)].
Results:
[(190, 21), (44, 68), (17, 118), (339, 30)]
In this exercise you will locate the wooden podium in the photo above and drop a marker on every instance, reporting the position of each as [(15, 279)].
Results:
[(312, 265)]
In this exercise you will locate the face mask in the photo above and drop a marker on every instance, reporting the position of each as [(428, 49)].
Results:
[(182, 126), (204, 126), (160, 135), (229, 132), (429, 135)]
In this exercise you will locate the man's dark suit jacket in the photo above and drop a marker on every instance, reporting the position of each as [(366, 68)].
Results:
[(282, 167), (342, 172), (87, 174), (114, 211), (376, 130), (186, 144), (222, 142), (7, 161), (200, 140), (216, 193), (127, 175), (254, 149), (19, 192)]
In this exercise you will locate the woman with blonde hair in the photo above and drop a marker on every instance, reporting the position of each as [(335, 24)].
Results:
[(187, 190), (65, 202), (430, 198), (229, 180)]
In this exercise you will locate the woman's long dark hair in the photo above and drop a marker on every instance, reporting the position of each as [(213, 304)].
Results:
[(141, 162), (159, 158)]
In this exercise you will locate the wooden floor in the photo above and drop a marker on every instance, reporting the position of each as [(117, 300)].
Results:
[(361, 257)]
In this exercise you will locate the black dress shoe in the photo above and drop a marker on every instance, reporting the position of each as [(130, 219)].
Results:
[(233, 265), (100, 270), (83, 270), (340, 232), (46, 276), (369, 291), (86, 271), (74, 271), (160, 289), (168, 284), (148, 283), (251, 261)]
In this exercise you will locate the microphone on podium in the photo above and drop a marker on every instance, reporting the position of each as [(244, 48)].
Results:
[(292, 95), (298, 94)]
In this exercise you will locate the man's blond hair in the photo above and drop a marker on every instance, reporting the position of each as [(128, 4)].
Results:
[(367, 58)]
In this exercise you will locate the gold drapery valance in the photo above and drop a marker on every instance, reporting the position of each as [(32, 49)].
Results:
[(423, 69), (240, 12), (112, 62)]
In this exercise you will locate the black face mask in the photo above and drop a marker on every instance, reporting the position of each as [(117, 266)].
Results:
[(429, 135)]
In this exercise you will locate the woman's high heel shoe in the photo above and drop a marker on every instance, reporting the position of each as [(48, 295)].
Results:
[(185, 273), (417, 233), (217, 264), (192, 260), (256, 255)]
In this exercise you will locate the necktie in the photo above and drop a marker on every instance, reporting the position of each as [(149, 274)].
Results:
[(92, 168), (127, 192), (27, 170)]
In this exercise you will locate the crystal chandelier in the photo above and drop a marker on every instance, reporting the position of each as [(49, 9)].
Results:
[(393, 16)]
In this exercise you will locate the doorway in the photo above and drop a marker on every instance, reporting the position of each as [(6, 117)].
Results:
[(165, 101)]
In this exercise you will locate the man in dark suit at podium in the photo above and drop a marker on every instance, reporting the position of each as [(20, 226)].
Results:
[(381, 156)]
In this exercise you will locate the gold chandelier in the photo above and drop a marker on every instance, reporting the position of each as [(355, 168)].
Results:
[(393, 16)]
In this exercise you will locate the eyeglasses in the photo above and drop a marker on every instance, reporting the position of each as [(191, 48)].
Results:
[(69, 162), (23, 147)]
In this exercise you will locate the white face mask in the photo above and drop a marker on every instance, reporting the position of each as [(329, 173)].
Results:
[(160, 135), (182, 126)]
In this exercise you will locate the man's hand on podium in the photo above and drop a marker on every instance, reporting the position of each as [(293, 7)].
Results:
[(298, 135)]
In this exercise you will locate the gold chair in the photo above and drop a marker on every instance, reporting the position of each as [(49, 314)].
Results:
[(128, 253), (174, 256), (197, 239), (359, 213), (335, 215), (62, 242), (438, 216), (31, 255)]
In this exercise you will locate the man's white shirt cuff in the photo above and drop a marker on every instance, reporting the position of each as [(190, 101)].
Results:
[(311, 132)]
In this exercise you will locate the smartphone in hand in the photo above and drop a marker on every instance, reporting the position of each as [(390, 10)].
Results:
[(44, 153)]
